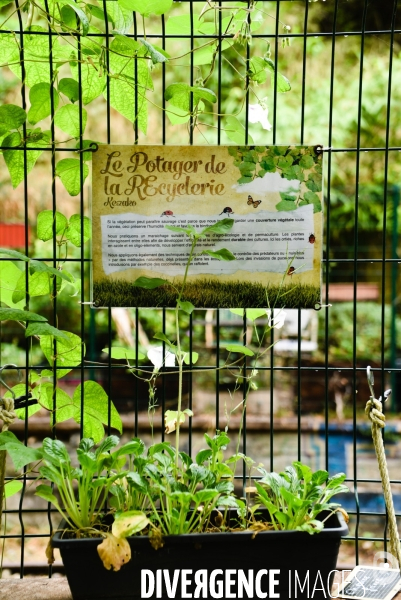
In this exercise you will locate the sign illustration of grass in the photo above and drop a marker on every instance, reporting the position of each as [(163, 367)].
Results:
[(206, 293)]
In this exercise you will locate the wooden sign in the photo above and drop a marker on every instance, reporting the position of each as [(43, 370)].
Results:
[(272, 193)]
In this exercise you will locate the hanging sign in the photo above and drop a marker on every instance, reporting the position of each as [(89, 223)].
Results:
[(272, 194)]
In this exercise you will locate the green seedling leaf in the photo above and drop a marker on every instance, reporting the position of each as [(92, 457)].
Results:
[(40, 99), (49, 223), (69, 169), (237, 348), (11, 488), (120, 353), (149, 283), (78, 228), (147, 7), (319, 477), (187, 230), (46, 492), (69, 87), (191, 358), (203, 456), (67, 118), (222, 254), (187, 307), (14, 314), (221, 227), (161, 336), (55, 452)]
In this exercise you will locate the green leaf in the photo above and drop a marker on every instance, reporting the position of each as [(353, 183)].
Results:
[(161, 336), (191, 358), (14, 254), (237, 348), (14, 314), (156, 57), (15, 158), (46, 492), (39, 97), (120, 353), (11, 488), (257, 69), (11, 117), (121, 17), (187, 307), (68, 18), (69, 169), (286, 205), (93, 81), (96, 409), (67, 352), (221, 227), (129, 523), (149, 283), (81, 16), (312, 198), (45, 221), (187, 230), (42, 267), (67, 118), (236, 131), (222, 254), (283, 85), (147, 7), (178, 115), (178, 94), (19, 453), (35, 328), (9, 274), (70, 88), (74, 229), (96, 11), (306, 162)]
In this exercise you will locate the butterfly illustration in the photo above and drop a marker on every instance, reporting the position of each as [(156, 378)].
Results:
[(255, 203)]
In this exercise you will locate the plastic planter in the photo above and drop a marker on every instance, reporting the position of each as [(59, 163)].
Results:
[(295, 565)]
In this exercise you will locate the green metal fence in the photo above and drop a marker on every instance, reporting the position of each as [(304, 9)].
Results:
[(322, 73)]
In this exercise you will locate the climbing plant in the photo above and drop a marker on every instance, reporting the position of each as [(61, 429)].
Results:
[(68, 54)]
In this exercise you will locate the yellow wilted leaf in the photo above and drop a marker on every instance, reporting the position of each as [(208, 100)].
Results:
[(129, 523), (50, 553), (114, 552), (170, 419)]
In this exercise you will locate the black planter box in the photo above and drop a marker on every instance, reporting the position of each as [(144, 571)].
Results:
[(304, 565)]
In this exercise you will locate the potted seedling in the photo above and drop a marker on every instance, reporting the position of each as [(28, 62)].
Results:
[(165, 524)]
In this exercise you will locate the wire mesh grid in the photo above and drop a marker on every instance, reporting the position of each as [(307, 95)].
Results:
[(342, 62)]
